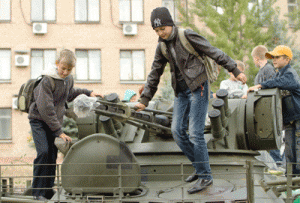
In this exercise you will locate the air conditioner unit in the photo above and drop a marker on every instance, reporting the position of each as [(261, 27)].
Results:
[(129, 29), (21, 60), (14, 103), (39, 28)]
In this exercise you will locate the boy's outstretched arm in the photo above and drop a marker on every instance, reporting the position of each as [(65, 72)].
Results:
[(254, 88)]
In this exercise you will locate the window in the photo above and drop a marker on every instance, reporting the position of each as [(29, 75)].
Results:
[(131, 10), (43, 10), (172, 5), (292, 6), (4, 10), (132, 65), (5, 64), (41, 60), (87, 11), (5, 124), (89, 65)]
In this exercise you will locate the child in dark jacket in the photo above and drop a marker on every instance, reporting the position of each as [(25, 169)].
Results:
[(189, 81), (46, 118), (288, 81)]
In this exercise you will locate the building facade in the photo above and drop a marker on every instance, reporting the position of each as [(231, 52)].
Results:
[(112, 39)]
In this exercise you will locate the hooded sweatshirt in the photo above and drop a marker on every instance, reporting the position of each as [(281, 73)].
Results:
[(49, 104)]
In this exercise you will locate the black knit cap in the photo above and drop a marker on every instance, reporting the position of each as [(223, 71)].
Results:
[(161, 17)]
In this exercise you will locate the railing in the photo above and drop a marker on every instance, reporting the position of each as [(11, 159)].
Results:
[(13, 185)]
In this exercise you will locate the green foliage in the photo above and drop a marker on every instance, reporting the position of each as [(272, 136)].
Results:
[(237, 29), (280, 37)]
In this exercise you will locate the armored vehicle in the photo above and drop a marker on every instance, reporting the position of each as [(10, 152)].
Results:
[(126, 156)]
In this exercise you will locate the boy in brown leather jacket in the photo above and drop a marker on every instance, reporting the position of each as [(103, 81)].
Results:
[(189, 81)]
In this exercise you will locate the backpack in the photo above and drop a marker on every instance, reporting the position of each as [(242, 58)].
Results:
[(211, 69), (25, 96)]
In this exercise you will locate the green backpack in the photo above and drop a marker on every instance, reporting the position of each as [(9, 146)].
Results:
[(211, 69), (25, 96)]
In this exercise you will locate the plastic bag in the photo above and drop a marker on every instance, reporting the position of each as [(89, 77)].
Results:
[(83, 105)]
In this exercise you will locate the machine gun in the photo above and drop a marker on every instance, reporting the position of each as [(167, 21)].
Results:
[(116, 144)]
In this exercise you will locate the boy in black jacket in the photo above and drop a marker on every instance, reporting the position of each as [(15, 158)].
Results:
[(189, 81)]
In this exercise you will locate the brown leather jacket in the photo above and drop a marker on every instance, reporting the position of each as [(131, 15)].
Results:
[(191, 68)]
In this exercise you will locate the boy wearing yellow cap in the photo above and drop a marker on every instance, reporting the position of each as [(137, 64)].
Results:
[(288, 81)]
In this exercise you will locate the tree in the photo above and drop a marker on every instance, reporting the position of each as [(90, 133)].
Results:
[(236, 26), (281, 37)]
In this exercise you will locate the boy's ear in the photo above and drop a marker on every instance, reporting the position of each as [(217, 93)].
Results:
[(56, 62)]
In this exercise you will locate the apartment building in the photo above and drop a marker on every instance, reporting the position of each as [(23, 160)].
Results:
[(113, 41)]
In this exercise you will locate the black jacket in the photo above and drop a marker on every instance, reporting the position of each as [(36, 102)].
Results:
[(191, 68)]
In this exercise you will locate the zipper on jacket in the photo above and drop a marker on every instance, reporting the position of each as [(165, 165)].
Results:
[(201, 90)]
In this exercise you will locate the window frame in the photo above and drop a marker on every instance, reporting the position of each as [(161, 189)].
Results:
[(132, 81), (10, 10), (10, 66), (10, 126), (43, 10), (50, 49), (130, 21), (89, 80), (87, 22)]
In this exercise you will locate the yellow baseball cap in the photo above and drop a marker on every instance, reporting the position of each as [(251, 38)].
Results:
[(280, 51)]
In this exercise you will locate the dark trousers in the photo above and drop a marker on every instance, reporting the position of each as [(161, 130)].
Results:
[(45, 162)]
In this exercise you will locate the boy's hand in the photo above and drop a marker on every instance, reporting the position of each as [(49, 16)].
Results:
[(94, 94), (254, 88), (65, 137), (139, 107), (242, 77)]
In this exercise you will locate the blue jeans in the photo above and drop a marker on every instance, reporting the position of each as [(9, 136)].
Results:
[(45, 162), (292, 145), (275, 154), (189, 113)]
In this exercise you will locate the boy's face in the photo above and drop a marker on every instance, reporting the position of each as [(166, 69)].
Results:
[(133, 98), (164, 32), (280, 61), (63, 69)]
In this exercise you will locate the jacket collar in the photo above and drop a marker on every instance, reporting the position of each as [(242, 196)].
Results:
[(282, 70)]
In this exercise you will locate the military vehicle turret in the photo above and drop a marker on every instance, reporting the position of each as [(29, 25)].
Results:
[(126, 156)]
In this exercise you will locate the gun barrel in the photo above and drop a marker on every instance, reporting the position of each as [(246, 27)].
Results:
[(219, 104), (223, 94), (218, 131)]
